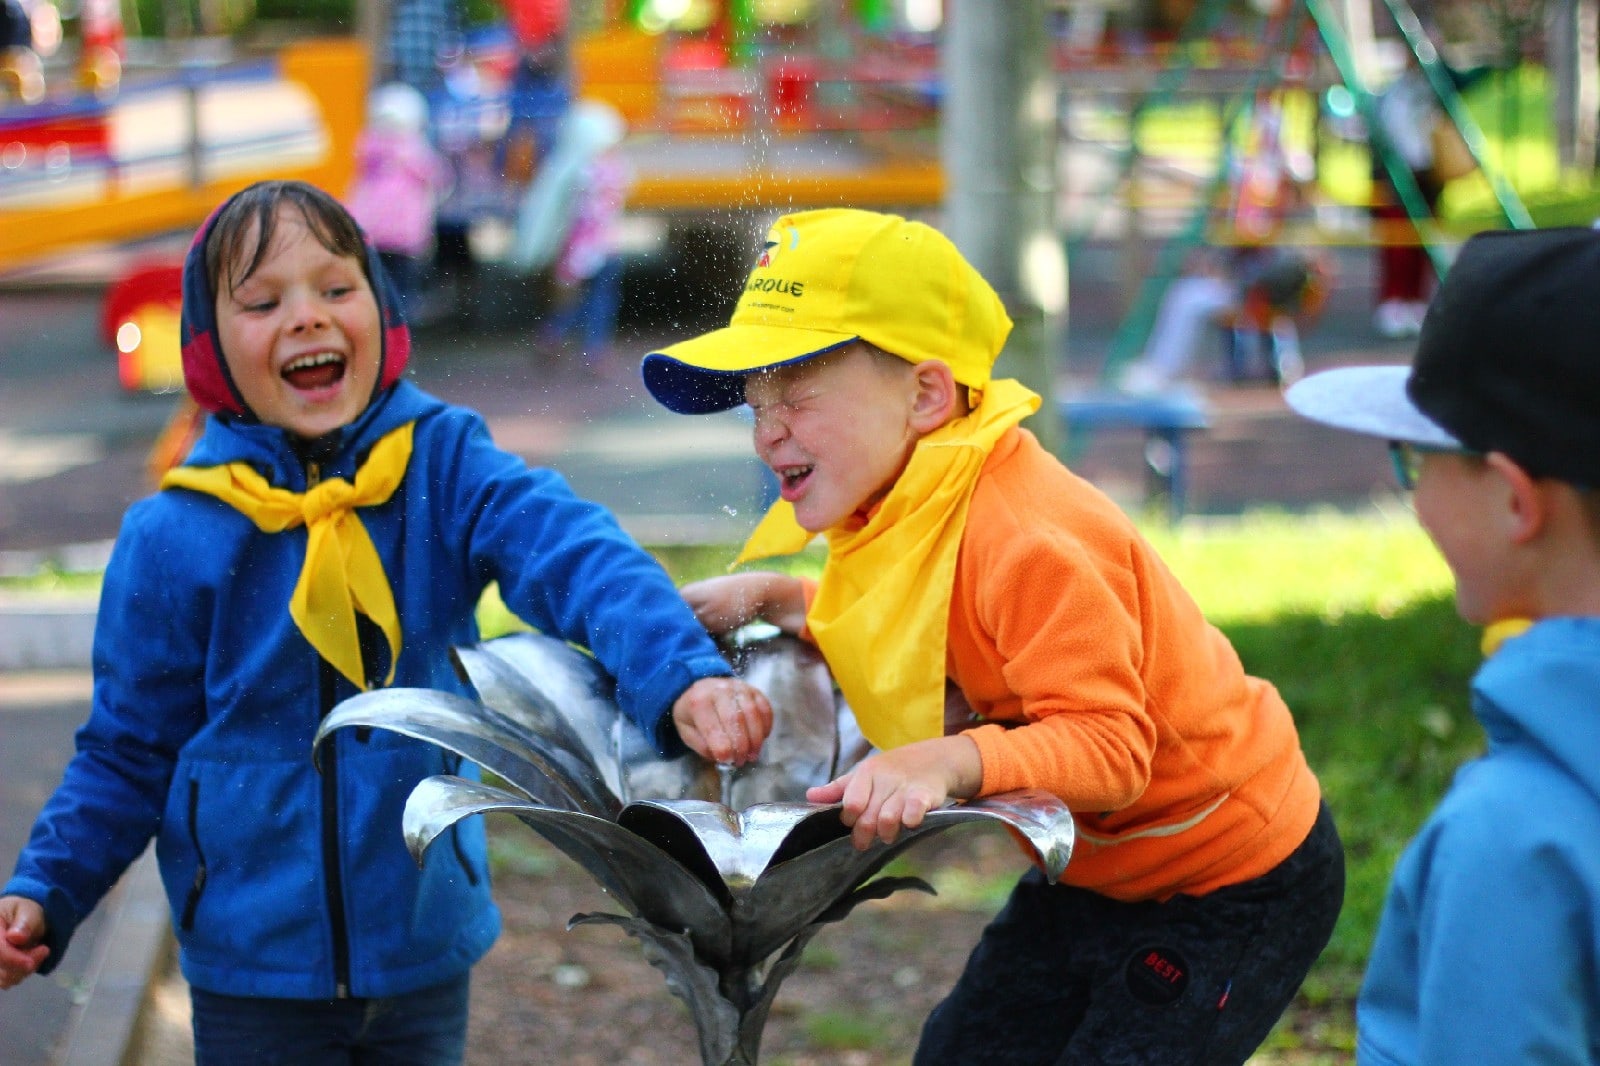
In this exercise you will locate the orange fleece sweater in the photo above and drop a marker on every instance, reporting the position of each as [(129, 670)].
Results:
[(1098, 680)]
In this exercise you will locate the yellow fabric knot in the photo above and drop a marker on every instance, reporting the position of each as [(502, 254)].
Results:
[(327, 499), (343, 572), (882, 611), (1497, 633)]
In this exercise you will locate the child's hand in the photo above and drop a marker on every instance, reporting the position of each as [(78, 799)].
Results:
[(724, 719), (723, 604), (898, 788), (21, 930)]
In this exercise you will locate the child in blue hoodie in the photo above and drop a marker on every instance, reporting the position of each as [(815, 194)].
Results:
[(332, 531), (1488, 951)]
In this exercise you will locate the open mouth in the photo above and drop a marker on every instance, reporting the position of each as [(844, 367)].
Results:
[(792, 478), (319, 370)]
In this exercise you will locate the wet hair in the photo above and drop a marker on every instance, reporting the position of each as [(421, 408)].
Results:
[(230, 257)]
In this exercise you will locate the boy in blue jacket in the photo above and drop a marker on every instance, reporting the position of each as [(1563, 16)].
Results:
[(331, 532), (1488, 951)]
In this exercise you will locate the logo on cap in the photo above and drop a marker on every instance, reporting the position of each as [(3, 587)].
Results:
[(769, 250)]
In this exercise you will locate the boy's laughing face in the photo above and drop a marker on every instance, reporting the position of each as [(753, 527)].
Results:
[(835, 430), (301, 335)]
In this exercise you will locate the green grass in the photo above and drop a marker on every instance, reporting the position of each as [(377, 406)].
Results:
[(1353, 619), (52, 581)]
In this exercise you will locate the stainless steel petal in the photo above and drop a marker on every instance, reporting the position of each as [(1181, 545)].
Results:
[(645, 880), (555, 692), (565, 696), (738, 844), (818, 863), (474, 732), (1041, 818), (803, 748), (699, 986)]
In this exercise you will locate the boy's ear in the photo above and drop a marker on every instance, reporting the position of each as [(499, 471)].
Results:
[(1527, 509), (935, 398)]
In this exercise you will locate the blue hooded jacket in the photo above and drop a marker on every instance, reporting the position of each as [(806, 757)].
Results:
[(1488, 951), (284, 882)]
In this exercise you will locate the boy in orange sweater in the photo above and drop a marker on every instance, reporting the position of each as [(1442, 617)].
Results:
[(964, 559)]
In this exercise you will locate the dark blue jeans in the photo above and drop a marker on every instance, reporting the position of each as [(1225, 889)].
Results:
[(424, 1028), (1072, 978), (592, 312)]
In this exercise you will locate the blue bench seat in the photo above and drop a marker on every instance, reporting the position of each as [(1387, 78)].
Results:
[(1166, 419)]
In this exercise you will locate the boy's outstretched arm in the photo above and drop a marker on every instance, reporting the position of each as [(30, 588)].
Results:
[(897, 788), (723, 604), (724, 719), (21, 935)]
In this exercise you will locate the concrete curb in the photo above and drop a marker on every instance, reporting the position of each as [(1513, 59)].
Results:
[(105, 1029), (45, 632), (51, 632)]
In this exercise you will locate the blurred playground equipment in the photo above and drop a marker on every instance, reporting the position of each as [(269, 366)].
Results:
[(735, 109), (732, 108), (1251, 194), (730, 112), (163, 148), (103, 161)]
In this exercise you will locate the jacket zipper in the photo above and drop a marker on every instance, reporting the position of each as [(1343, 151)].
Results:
[(327, 681), (192, 904)]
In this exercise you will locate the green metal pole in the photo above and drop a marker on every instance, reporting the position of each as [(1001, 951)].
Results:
[(1135, 326), (1511, 205), (1405, 183)]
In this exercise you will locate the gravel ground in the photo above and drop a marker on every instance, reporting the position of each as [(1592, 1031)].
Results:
[(587, 997)]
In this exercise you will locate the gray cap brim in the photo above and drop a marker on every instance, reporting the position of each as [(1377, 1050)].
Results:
[(1370, 400)]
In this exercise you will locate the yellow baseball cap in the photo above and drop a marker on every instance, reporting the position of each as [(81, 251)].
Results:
[(826, 279)]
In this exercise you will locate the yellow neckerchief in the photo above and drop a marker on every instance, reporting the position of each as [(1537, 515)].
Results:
[(342, 573), (1497, 633), (882, 610)]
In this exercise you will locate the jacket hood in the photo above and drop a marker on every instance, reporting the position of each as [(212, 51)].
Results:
[(1540, 688), (205, 372)]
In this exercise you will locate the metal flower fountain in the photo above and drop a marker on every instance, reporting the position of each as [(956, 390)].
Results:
[(725, 874)]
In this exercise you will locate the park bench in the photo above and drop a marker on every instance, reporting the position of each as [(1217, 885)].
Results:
[(1166, 421)]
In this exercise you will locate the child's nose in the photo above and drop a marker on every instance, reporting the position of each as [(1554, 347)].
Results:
[(769, 429), (307, 312)]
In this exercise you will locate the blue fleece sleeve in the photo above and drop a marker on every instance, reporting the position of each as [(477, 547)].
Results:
[(565, 566), (148, 662)]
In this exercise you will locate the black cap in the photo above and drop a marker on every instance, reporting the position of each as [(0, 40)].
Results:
[(1509, 355)]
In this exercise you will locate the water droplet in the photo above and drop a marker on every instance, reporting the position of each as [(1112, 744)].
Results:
[(570, 976), (731, 512)]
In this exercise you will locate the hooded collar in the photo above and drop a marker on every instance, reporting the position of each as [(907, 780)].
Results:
[(278, 457), (1538, 689)]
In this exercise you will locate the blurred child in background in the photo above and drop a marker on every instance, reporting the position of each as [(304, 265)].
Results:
[(399, 182), (588, 272)]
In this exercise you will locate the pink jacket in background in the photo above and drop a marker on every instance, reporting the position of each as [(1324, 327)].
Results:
[(399, 182)]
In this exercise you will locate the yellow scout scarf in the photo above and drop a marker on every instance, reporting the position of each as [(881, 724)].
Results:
[(342, 573), (882, 611)]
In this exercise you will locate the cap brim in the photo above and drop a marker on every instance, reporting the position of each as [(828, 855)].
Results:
[(1370, 400), (706, 374)]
